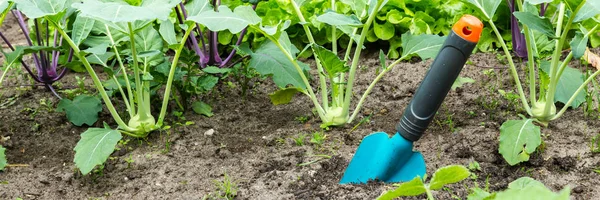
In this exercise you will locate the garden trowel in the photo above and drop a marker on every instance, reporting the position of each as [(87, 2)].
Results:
[(386, 159)]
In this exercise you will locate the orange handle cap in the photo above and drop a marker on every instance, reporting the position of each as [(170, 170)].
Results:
[(469, 28)]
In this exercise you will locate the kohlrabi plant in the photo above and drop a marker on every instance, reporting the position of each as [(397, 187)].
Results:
[(44, 47), (132, 25), (442, 177), (550, 78), (207, 49), (277, 57)]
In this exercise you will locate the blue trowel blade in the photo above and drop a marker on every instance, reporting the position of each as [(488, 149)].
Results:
[(386, 159)]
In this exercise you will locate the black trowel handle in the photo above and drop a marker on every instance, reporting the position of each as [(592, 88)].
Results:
[(439, 79)]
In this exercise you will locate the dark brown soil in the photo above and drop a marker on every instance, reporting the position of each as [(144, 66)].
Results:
[(253, 144)]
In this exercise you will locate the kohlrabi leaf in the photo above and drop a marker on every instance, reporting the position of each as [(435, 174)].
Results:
[(330, 61), (196, 7), (216, 70), (101, 59), (535, 22), (567, 85), (424, 45), (578, 45), (122, 12), (478, 194), (39, 8), (268, 59), (486, 7), (448, 175), (167, 31), (147, 40), (536, 2), (414, 187), (94, 147), (83, 109), (3, 5), (526, 188), (3, 161), (336, 19), (225, 19), (81, 29), (202, 108), (590, 9), (518, 139), (359, 6), (283, 96), (460, 81), (384, 31), (16, 55)]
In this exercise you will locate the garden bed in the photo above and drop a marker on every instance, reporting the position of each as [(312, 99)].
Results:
[(253, 144)]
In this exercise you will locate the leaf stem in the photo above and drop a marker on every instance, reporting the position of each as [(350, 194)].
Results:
[(530, 59), (125, 76), (163, 109), (311, 39), (141, 109)]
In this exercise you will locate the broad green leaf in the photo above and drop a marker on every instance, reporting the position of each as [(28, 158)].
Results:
[(487, 7), (518, 139), (536, 2), (196, 7), (268, 59), (336, 19), (3, 161), (578, 45), (225, 19), (479, 194), (16, 55), (426, 46), (460, 81), (167, 31), (359, 7), (568, 83), (95, 147), (83, 109), (525, 182), (101, 59), (384, 31), (330, 61), (146, 40), (122, 12), (81, 29), (224, 37), (3, 5), (448, 175), (216, 70), (535, 22), (39, 8), (202, 108), (207, 83), (526, 188), (97, 49), (283, 96), (590, 9), (414, 187)]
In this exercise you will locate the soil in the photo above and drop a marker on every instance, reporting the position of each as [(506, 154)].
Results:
[(253, 144)]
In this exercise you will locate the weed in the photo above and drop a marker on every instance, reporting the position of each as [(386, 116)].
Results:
[(299, 140), (301, 119), (595, 144), (227, 189), (318, 138), (129, 160)]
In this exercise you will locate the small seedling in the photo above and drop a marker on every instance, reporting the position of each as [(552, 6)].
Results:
[(318, 138), (129, 160), (227, 189), (443, 176), (301, 119), (474, 166), (595, 144), (299, 140)]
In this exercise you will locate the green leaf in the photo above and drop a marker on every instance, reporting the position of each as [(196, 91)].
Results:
[(426, 46), (225, 19), (167, 31), (81, 29), (149, 40), (202, 108), (479, 194), (487, 7), (83, 109), (526, 188), (590, 9), (95, 147), (16, 55), (207, 82), (518, 139), (384, 31), (268, 59), (3, 161), (330, 61), (412, 188), (359, 7), (336, 19), (524, 182), (578, 45), (536, 2), (123, 12), (448, 175), (196, 7), (567, 85), (39, 8), (216, 70), (382, 59), (535, 22), (283, 96), (460, 81), (100, 59)]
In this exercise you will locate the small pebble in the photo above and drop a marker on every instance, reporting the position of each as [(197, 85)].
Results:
[(210, 132)]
